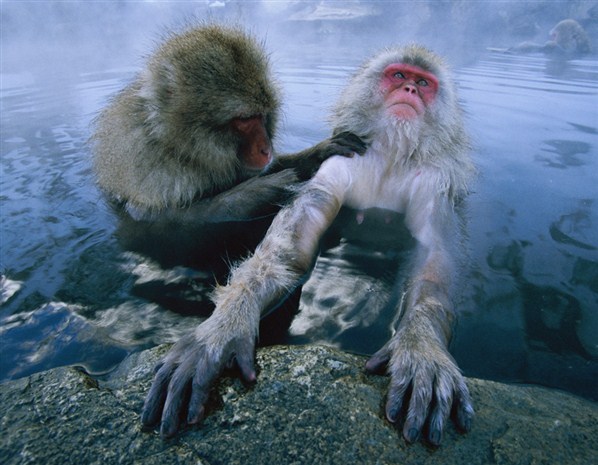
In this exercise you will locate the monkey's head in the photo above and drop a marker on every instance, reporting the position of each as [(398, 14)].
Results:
[(209, 96), (405, 92), (570, 36)]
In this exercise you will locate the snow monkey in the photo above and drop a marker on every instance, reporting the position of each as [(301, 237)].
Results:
[(570, 37), (567, 38), (190, 138), (404, 102)]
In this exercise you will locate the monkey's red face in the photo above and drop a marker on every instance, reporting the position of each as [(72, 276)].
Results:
[(408, 90), (255, 149)]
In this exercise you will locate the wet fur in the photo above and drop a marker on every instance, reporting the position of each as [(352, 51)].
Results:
[(164, 147), (163, 142), (421, 169)]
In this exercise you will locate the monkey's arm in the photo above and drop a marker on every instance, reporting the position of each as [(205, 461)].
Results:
[(256, 197), (228, 335), (417, 355), (308, 161), (550, 47)]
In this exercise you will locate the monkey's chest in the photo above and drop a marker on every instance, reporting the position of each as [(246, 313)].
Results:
[(375, 186), (369, 181)]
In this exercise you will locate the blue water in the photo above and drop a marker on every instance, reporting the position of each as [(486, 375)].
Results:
[(74, 294)]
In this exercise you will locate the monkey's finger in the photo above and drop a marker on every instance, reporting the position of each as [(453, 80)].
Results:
[(443, 397), (158, 366), (419, 402), (351, 137), (351, 141), (154, 402), (174, 399), (463, 408), (246, 366), (378, 362), (395, 397), (346, 150), (205, 374), (199, 395)]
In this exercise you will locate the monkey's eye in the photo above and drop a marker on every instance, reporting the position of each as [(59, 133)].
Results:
[(399, 75), (423, 83)]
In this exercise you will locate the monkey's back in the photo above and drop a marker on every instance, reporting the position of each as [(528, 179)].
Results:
[(133, 168)]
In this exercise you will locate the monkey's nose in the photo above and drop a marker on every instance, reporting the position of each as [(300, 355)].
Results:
[(266, 153), (410, 88)]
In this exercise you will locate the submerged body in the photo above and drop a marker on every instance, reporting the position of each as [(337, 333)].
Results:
[(567, 38)]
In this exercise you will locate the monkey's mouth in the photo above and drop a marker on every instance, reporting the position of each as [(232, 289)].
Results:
[(403, 110), (255, 171)]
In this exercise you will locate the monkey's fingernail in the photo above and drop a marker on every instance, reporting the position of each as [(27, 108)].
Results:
[(435, 437), (392, 413), (251, 377), (193, 419), (412, 435), (167, 430), (466, 425)]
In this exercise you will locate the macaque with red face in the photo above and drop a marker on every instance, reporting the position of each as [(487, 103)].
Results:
[(404, 102), (408, 90)]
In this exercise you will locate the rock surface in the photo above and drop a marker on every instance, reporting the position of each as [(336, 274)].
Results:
[(311, 405)]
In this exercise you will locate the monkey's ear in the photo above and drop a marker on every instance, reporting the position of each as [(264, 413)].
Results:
[(158, 83)]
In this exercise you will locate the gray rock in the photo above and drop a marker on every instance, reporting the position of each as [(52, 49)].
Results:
[(311, 405)]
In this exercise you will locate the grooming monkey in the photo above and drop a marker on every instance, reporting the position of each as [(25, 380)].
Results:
[(404, 101), (191, 138)]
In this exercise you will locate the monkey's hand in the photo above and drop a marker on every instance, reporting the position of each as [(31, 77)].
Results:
[(344, 143), (182, 382), (307, 162), (425, 384)]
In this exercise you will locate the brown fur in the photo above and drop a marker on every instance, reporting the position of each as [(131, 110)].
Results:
[(165, 141), (571, 37), (567, 38)]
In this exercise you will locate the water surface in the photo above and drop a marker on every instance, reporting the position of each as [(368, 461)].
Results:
[(75, 295)]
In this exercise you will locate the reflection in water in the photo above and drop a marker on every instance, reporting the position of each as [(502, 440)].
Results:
[(533, 229), (565, 153), (91, 290), (351, 297), (574, 224), (54, 335)]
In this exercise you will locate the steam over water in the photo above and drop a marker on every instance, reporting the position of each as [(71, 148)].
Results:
[(72, 293)]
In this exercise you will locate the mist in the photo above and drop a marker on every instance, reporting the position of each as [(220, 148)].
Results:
[(64, 37), (53, 45)]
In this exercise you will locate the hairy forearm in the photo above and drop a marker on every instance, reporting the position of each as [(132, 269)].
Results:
[(283, 258), (429, 312), (429, 299), (251, 199)]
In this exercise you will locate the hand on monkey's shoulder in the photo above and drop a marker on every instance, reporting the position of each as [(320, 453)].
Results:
[(344, 143)]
